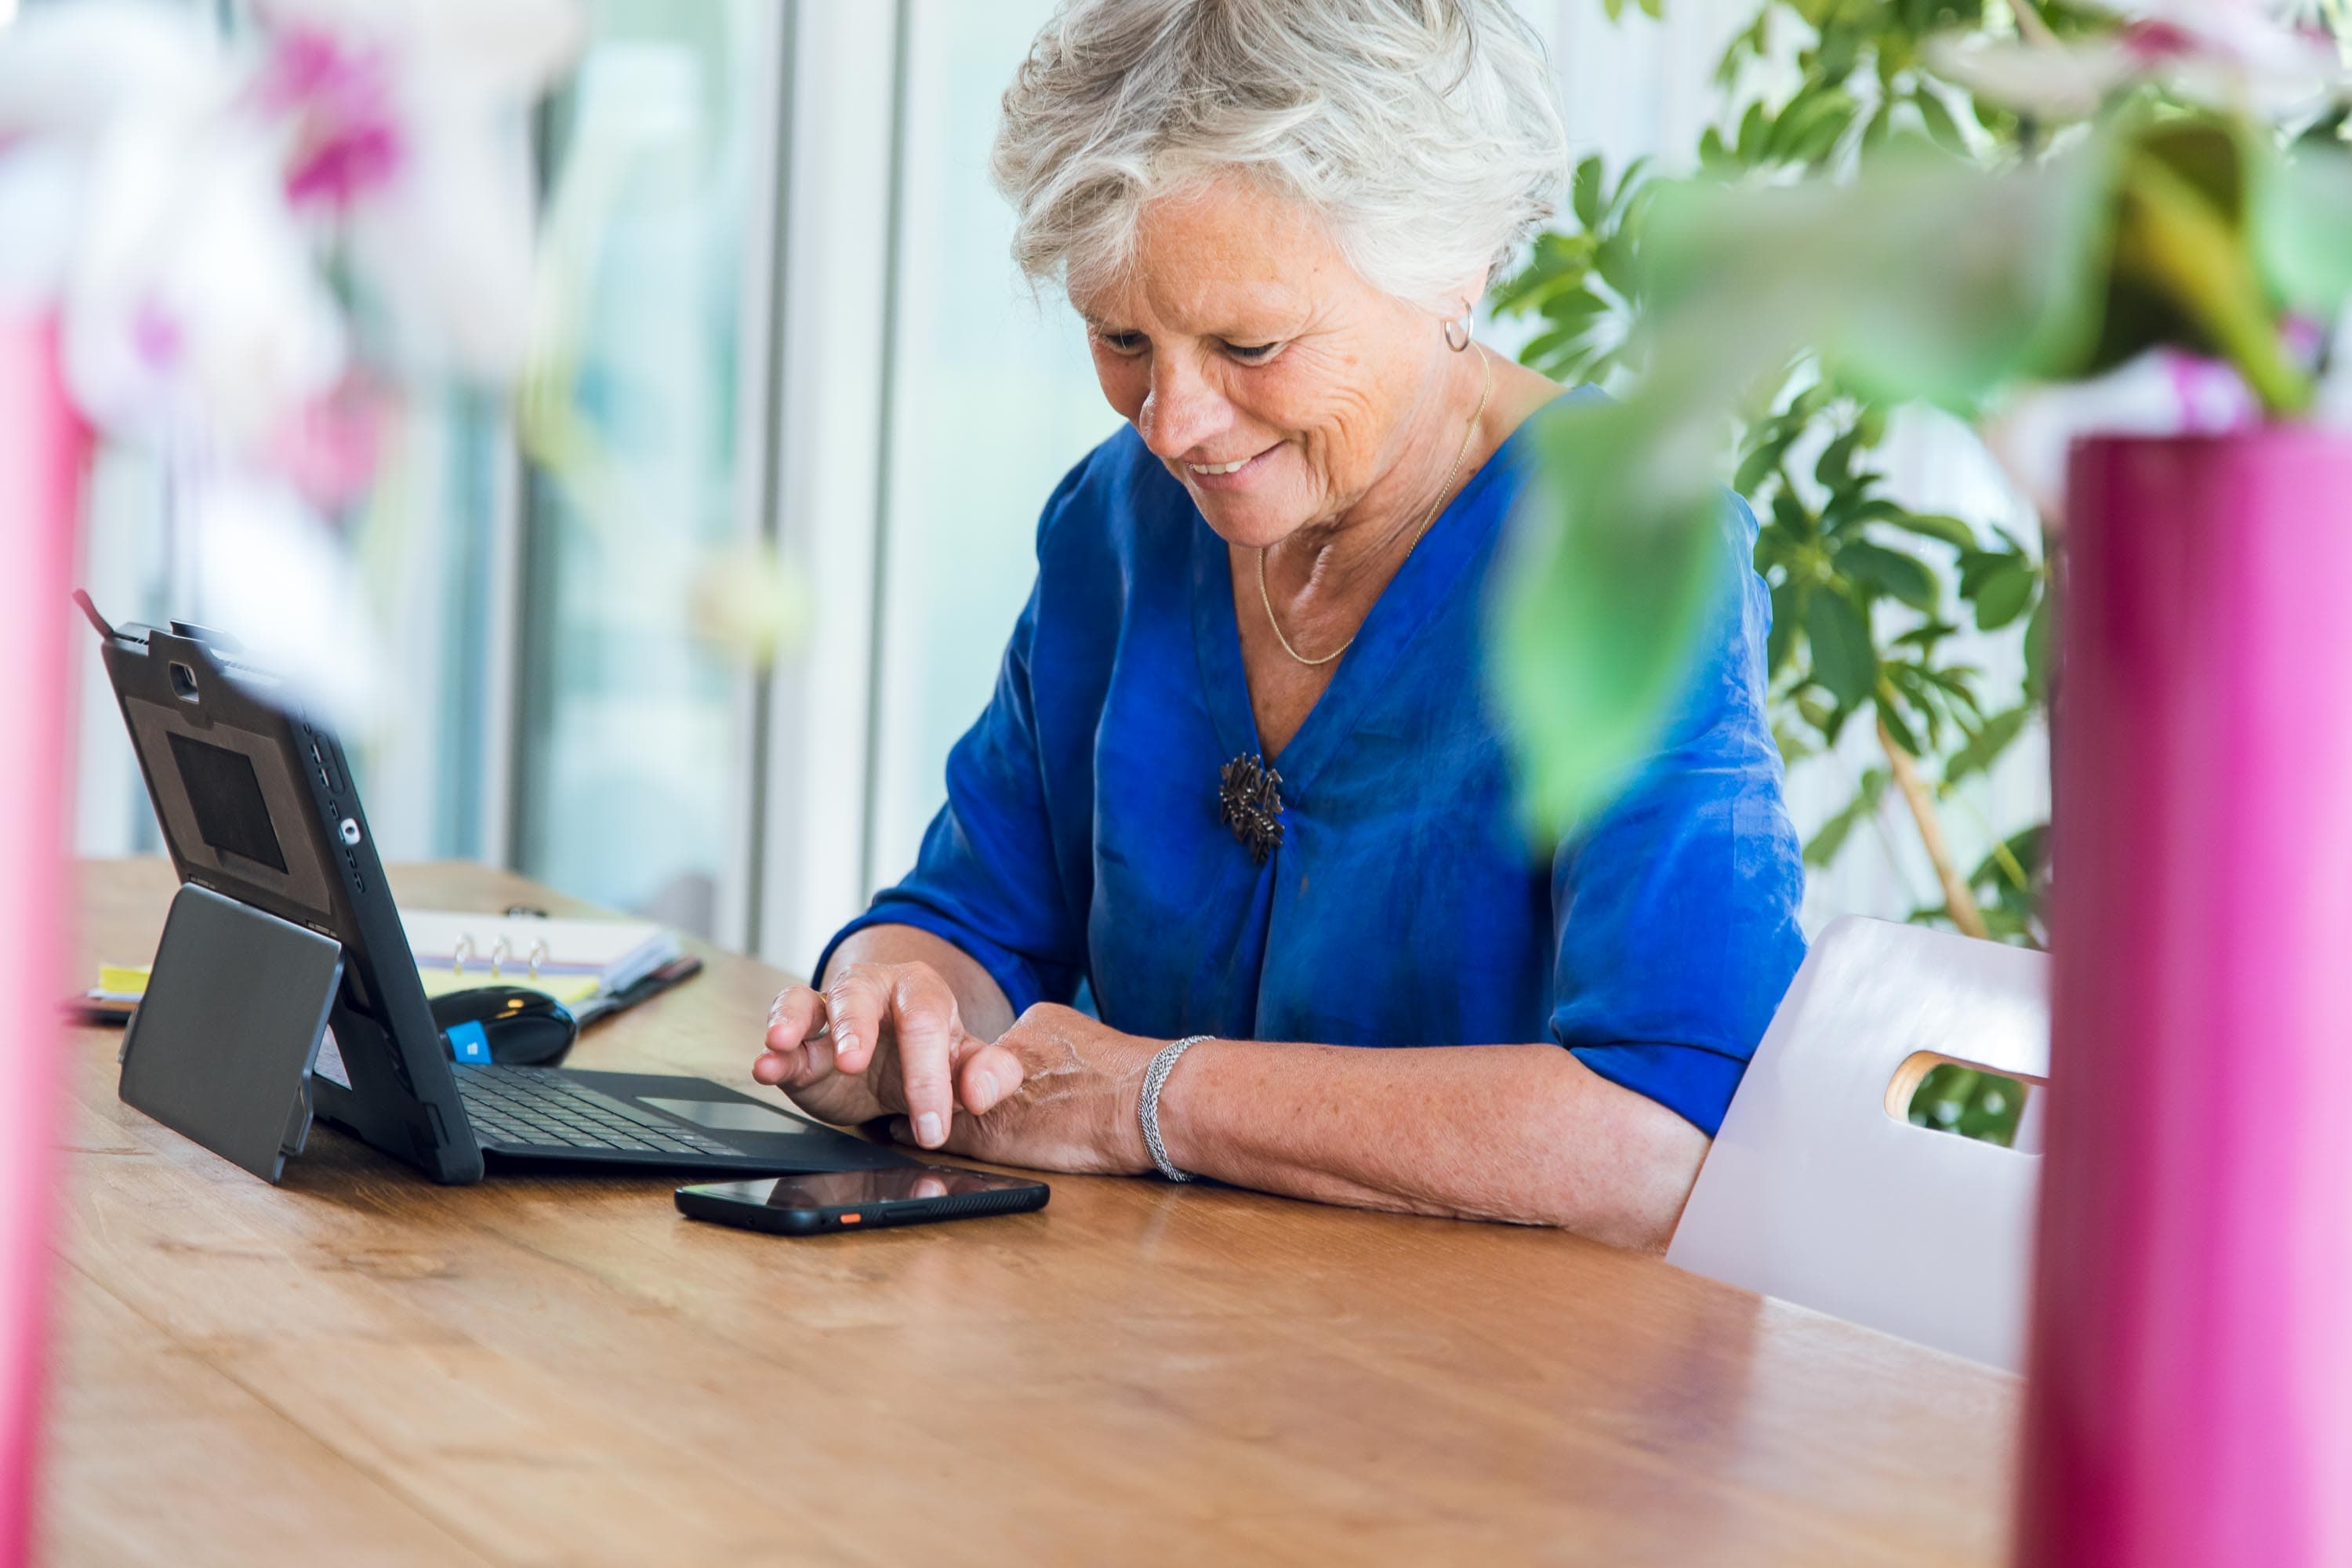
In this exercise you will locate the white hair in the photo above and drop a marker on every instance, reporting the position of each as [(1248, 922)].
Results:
[(1423, 133)]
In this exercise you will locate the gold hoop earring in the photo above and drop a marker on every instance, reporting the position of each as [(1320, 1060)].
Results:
[(1447, 330)]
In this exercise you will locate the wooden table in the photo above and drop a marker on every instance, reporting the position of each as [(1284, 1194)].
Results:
[(360, 1367)]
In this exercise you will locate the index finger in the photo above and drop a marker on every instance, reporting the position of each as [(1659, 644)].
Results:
[(924, 1013), (858, 1003)]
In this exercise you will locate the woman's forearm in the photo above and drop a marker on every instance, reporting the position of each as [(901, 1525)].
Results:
[(1526, 1134)]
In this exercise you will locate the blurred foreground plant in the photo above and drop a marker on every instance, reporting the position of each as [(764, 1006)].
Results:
[(1865, 592), (2125, 191), (257, 246)]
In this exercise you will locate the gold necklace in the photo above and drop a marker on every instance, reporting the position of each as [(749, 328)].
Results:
[(1445, 493)]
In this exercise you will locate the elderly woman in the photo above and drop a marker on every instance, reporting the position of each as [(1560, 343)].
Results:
[(1240, 776)]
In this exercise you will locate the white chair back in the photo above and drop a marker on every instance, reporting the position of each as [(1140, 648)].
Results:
[(1820, 1190)]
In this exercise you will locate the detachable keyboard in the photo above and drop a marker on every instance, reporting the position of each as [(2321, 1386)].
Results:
[(542, 1108)]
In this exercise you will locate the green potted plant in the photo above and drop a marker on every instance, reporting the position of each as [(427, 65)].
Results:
[(2196, 1252), (1869, 594)]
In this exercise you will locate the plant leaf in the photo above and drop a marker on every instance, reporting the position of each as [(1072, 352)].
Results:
[(1538, 287), (1843, 658), (2025, 848), (1924, 277), (1759, 461), (1942, 129), (1932, 525), (1554, 350), (1906, 577), (1788, 620), (1585, 190), (1836, 461), (1897, 726), (1817, 135), (1574, 308), (1959, 685), (1617, 563), (2303, 228), (1873, 132), (1629, 185), (1985, 745), (1613, 259), (2184, 271), (1789, 516), (1978, 566), (1713, 157), (1754, 128), (2037, 652), (1789, 118), (2003, 595), (1925, 636)]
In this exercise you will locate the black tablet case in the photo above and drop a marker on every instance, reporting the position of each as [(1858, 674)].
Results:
[(256, 807)]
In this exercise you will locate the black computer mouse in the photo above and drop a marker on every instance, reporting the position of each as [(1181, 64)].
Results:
[(523, 1027)]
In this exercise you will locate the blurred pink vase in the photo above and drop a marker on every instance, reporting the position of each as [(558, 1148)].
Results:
[(2191, 1393), (42, 451)]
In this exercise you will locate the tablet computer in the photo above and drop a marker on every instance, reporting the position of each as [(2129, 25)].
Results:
[(255, 804)]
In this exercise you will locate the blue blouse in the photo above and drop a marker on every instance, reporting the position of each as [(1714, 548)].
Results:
[(1405, 905)]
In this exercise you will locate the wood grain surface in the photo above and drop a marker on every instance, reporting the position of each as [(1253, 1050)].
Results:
[(360, 1367)]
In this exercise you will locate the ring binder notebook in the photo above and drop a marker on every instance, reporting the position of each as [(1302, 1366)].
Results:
[(584, 957)]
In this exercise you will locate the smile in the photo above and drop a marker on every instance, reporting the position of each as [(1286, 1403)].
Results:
[(1241, 471)]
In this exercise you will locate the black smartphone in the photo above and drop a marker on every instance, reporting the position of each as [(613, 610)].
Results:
[(859, 1200)]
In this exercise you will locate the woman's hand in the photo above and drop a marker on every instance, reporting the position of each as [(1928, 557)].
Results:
[(1072, 1108), (883, 1037), (1057, 1091)]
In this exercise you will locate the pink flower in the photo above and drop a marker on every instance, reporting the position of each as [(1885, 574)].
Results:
[(338, 96), (405, 113), (2152, 43), (193, 311), (328, 450)]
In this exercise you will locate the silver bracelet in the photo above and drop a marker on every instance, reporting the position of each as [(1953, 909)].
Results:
[(1147, 1110)]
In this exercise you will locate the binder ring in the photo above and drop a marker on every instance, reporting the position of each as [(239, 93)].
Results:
[(538, 950), (500, 951), (465, 950)]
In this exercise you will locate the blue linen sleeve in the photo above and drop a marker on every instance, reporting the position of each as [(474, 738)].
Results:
[(1677, 909), (988, 878)]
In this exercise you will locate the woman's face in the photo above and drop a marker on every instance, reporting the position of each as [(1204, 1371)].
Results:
[(1240, 335)]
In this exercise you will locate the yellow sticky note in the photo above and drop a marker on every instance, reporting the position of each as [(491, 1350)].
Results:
[(122, 980)]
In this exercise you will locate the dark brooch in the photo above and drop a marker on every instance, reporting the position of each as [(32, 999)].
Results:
[(1249, 801)]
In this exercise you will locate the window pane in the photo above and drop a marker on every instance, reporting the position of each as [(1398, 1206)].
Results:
[(994, 398), (424, 537), (633, 743)]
